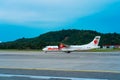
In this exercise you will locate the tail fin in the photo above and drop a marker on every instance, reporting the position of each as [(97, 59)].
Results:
[(95, 41)]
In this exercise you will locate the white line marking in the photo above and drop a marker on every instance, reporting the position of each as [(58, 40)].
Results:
[(46, 77)]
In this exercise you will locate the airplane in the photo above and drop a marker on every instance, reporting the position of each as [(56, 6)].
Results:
[(70, 48)]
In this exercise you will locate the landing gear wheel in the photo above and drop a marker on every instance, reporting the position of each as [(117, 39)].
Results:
[(68, 52)]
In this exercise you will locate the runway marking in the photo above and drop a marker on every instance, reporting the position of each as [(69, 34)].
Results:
[(102, 71), (47, 77)]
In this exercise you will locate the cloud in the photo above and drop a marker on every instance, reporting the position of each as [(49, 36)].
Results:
[(28, 18), (105, 21), (48, 12)]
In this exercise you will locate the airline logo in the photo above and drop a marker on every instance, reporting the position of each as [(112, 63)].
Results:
[(95, 41)]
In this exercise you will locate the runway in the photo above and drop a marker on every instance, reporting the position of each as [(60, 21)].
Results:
[(32, 74), (81, 64)]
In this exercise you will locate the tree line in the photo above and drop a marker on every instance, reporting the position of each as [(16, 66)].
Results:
[(71, 36)]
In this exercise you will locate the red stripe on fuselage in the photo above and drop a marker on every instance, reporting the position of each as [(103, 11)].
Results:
[(53, 49)]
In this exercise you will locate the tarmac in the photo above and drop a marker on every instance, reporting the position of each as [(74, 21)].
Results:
[(81, 64)]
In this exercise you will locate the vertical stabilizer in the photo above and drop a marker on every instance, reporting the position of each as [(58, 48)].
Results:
[(95, 41)]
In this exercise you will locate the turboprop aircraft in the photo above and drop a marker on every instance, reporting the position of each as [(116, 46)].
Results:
[(70, 48)]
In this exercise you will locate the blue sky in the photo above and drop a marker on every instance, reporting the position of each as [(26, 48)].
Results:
[(30, 18)]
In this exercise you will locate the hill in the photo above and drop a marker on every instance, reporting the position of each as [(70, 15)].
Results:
[(70, 36)]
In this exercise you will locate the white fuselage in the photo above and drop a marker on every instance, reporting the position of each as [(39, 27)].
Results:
[(93, 44), (71, 48), (78, 48)]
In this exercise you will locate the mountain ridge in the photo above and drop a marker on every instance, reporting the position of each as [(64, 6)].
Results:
[(70, 36)]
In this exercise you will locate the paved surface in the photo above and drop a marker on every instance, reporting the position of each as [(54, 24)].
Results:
[(28, 74), (98, 65)]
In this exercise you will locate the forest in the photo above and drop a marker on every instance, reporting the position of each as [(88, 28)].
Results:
[(69, 37)]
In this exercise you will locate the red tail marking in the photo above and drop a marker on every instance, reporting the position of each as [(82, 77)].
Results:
[(95, 41)]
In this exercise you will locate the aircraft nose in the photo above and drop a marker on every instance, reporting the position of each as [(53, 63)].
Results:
[(44, 49)]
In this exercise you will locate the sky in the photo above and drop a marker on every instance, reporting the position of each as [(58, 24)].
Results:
[(30, 18)]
